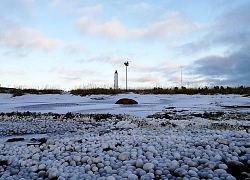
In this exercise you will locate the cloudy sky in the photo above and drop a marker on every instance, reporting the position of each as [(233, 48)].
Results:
[(80, 43)]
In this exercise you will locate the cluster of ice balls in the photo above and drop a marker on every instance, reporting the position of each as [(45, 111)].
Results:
[(120, 150), (131, 153)]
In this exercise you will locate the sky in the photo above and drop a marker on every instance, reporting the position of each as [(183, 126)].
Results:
[(80, 43)]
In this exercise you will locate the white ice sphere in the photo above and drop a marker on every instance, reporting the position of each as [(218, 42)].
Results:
[(195, 178), (204, 175), (33, 168), (132, 177), (192, 173), (41, 173), (177, 155), (105, 145), (211, 164), (148, 166), (158, 172), (223, 166), (149, 155), (218, 157), (77, 158), (96, 160), (87, 167), (220, 171), (36, 156), (152, 149), (78, 148), (110, 178), (230, 178), (139, 163), (94, 169), (203, 161), (223, 141), (124, 156), (42, 166), (192, 164), (180, 172), (84, 159), (23, 163)]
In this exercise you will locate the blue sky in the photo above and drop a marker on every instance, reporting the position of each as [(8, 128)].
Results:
[(80, 43)]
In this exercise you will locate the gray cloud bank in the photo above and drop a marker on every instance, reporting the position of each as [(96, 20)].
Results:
[(232, 31)]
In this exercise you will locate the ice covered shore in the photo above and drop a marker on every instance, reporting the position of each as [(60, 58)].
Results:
[(201, 137)]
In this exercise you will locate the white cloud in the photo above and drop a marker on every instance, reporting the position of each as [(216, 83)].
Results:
[(14, 37), (171, 25), (116, 60), (109, 29)]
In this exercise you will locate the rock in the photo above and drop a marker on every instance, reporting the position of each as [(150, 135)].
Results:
[(126, 101), (148, 166), (3, 163), (14, 139), (234, 163)]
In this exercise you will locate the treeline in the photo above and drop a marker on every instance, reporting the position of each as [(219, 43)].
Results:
[(176, 90), (157, 90)]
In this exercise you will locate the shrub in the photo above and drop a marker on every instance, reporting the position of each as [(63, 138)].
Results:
[(17, 92)]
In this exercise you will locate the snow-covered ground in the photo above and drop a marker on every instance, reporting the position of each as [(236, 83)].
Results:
[(147, 104), (162, 137)]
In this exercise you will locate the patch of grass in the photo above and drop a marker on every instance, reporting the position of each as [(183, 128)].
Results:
[(19, 91)]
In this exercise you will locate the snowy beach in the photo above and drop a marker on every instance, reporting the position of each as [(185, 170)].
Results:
[(91, 137)]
